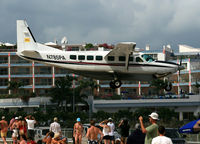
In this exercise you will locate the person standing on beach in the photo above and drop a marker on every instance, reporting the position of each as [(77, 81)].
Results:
[(112, 128), (161, 139), (55, 126), (31, 125), (106, 130), (78, 131), (124, 130), (152, 130), (92, 133), (4, 129)]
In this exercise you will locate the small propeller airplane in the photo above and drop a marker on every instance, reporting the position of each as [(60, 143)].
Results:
[(123, 62)]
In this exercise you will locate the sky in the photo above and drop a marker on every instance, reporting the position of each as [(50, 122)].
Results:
[(146, 22)]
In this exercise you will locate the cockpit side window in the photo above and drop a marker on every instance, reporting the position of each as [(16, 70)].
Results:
[(138, 59), (147, 58)]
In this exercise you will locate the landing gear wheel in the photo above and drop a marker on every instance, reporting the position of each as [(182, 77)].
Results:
[(168, 87), (117, 83)]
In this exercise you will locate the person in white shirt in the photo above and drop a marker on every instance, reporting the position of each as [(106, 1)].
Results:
[(31, 125), (112, 128), (161, 139), (55, 126)]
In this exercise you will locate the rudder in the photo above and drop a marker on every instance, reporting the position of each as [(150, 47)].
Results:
[(25, 39)]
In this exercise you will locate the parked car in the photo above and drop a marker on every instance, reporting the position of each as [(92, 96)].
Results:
[(174, 135)]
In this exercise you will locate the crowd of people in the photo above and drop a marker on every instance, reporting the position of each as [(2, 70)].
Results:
[(153, 134), (23, 132)]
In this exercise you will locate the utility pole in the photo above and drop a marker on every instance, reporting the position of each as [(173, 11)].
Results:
[(73, 93)]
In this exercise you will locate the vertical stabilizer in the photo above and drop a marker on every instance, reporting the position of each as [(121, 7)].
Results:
[(25, 39)]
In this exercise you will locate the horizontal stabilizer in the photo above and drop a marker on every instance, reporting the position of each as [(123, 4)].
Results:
[(31, 53)]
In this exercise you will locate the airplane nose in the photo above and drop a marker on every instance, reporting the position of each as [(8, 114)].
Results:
[(180, 67)]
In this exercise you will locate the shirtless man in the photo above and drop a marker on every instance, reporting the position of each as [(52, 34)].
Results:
[(78, 131), (92, 133), (4, 129)]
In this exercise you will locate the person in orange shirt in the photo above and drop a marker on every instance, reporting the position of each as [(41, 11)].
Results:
[(4, 129)]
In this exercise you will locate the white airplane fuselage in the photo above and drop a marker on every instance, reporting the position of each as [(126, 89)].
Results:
[(102, 69)]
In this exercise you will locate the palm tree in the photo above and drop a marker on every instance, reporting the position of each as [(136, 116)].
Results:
[(159, 84), (197, 85), (15, 86), (61, 93), (88, 86)]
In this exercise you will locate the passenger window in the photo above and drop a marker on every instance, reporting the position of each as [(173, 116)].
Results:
[(90, 58), (131, 59), (99, 58), (73, 57), (111, 58), (81, 57), (138, 59), (122, 58)]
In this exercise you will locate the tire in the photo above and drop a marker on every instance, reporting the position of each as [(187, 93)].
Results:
[(117, 83)]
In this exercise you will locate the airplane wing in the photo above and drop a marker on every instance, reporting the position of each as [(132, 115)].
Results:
[(123, 49)]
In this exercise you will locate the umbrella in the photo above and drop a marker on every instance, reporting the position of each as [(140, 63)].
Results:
[(192, 127)]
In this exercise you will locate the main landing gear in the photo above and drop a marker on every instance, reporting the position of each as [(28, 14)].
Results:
[(168, 86), (115, 84)]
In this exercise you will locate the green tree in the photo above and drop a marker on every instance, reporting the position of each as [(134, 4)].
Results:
[(89, 46), (15, 87), (197, 85), (159, 85), (61, 93)]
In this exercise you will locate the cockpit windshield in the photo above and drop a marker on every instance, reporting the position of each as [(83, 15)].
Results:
[(147, 58)]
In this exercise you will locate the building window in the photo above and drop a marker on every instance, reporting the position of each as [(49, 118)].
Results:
[(99, 58), (122, 58), (45, 70), (3, 71), (90, 57), (3, 82), (45, 82), (25, 81), (73, 57), (3, 59), (111, 58), (81, 57)]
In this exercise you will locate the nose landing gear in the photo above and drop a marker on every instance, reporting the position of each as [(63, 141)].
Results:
[(168, 86)]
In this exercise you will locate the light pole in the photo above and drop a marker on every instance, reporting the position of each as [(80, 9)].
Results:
[(73, 103)]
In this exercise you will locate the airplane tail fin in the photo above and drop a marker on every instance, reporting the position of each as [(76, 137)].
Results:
[(25, 39)]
